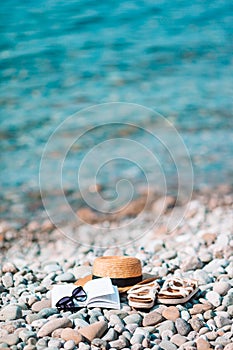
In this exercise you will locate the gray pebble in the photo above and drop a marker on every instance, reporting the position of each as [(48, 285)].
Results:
[(137, 346), (26, 334), (80, 323), (47, 312), (110, 335), (221, 287), (137, 338), (7, 280), (9, 339), (119, 343), (134, 318), (182, 326), (10, 312), (228, 299), (167, 325), (115, 319), (167, 345), (65, 277), (202, 276), (54, 343), (214, 298), (69, 344), (222, 321), (196, 324)]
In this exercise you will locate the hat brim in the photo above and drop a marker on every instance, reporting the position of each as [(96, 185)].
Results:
[(146, 278)]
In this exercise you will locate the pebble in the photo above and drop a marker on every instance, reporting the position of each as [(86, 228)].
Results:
[(9, 339), (196, 323), (120, 343), (202, 344), (171, 313), (221, 287), (134, 318), (65, 277), (167, 345), (71, 334), (7, 280), (95, 330), (200, 308), (178, 339), (191, 263), (110, 335), (69, 344), (137, 339), (214, 298), (9, 267), (182, 326), (41, 304), (167, 325), (99, 344), (202, 277), (222, 321), (10, 312), (152, 318), (53, 324)]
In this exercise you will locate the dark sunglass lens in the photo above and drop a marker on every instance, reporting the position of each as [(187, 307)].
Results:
[(79, 294)]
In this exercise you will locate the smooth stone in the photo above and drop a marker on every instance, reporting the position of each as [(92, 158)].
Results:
[(131, 327), (178, 339), (53, 324), (41, 304), (167, 325), (9, 267), (95, 330), (52, 268), (47, 312), (171, 313), (119, 343), (39, 323), (82, 271), (136, 347), (57, 333), (221, 287), (185, 315), (55, 343), (110, 335), (80, 323), (202, 276), (134, 318), (99, 343), (65, 277), (7, 280), (119, 328), (9, 339), (152, 318), (211, 335), (115, 319), (167, 345), (26, 334), (69, 344), (137, 338), (196, 323), (10, 312), (202, 344), (191, 263), (83, 346), (182, 326), (214, 298), (200, 308), (71, 334), (222, 321), (229, 346), (228, 299)]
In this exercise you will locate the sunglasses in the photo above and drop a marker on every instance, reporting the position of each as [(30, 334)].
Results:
[(67, 303)]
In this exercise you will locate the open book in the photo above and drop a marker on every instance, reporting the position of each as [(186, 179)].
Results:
[(100, 293)]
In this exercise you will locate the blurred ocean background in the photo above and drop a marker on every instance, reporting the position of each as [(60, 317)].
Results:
[(58, 57)]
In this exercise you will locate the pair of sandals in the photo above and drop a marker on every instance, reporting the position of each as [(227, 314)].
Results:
[(174, 291)]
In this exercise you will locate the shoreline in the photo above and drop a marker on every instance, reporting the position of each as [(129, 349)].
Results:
[(38, 256)]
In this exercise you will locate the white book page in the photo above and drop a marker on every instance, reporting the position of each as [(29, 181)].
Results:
[(109, 301), (98, 287)]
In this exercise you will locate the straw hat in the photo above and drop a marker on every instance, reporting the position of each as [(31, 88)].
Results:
[(124, 271)]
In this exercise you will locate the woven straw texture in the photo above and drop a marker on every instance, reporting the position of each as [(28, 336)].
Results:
[(117, 267)]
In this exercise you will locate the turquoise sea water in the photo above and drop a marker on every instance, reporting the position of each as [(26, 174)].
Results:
[(57, 57)]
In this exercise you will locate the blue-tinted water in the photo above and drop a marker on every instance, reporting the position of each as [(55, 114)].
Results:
[(58, 57)]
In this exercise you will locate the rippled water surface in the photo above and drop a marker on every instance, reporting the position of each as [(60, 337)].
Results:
[(57, 57)]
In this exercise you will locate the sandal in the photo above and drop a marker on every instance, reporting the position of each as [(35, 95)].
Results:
[(142, 295), (177, 290)]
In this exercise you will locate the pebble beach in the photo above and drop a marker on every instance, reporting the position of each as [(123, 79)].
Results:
[(37, 256)]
